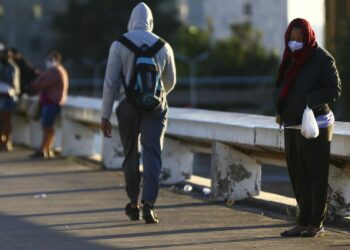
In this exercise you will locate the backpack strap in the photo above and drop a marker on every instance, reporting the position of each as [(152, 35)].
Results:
[(130, 45), (138, 51), (133, 48), (155, 47)]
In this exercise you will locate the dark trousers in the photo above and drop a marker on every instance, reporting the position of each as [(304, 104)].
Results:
[(308, 167), (149, 128)]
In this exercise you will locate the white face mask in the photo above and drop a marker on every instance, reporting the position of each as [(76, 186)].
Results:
[(50, 64), (294, 45)]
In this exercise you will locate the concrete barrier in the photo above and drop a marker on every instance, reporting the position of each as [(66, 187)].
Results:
[(239, 145)]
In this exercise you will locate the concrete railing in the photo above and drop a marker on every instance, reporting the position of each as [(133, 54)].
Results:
[(238, 143)]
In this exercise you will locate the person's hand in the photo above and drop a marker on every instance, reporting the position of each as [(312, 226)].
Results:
[(278, 119), (106, 128)]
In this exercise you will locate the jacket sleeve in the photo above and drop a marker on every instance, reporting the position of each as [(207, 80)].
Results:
[(169, 73), (112, 80), (275, 95), (330, 85)]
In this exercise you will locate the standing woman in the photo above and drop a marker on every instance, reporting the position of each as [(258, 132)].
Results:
[(9, 90), (307, 77), (53, 84)]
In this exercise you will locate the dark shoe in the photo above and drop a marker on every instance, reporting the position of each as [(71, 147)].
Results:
[(37, 155), (313, 232), (293, 232), (132, 212), (149, 215)]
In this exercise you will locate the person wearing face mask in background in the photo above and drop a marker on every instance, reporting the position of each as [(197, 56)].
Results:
[(9, 91), (53, 84), (307, 77)]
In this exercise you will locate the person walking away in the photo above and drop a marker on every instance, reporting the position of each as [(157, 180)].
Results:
[(53, 84), (9, 91), (307, 77), (140, 72)]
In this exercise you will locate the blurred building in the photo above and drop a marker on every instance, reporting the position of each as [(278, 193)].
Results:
[(337, 21), (26, 25), (270, 17)]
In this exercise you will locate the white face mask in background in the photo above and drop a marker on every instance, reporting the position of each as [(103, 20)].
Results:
[(294, 45), (50, 64)]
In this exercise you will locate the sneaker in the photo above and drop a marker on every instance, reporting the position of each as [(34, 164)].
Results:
[(313, 232), (294, 231), (132, 212), (149, 215)]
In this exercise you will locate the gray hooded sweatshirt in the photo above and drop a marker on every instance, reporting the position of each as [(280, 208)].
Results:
[(121, 59)]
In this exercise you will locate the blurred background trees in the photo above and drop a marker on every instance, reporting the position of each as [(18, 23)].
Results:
[(242, 54), (229, 51), (88, 28)]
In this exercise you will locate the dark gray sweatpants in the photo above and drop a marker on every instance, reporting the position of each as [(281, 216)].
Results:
[(150, 128)]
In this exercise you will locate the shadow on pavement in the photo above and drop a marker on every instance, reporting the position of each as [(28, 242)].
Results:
[(16, 233), (120, 209), (59, 192), (212, 242), (187, 231), (45, 174)]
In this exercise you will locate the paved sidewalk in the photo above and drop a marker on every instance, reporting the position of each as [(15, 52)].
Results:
[(63, 204)]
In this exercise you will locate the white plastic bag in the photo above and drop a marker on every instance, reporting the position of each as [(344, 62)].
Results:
[(309, 127)]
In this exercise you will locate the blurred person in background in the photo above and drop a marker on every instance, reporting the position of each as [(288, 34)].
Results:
[(53, 86), (9, 91), (27, 72), (307, 77)]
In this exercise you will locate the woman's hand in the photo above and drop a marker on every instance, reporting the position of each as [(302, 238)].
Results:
[(278, 119)]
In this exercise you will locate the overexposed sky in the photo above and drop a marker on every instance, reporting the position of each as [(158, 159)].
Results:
[(311, 10)]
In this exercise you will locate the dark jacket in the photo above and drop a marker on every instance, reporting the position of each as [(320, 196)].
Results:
[(27, 75), (316, 85), (9, 75)]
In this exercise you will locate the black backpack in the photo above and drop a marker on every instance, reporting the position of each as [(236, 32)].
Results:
[(144, 91)]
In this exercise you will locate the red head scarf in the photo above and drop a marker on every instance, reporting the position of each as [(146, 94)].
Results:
[(298, 58)]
